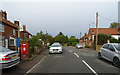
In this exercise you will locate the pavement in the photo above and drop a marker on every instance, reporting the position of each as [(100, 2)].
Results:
[(25, 66)]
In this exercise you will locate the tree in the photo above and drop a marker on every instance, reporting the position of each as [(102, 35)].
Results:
[(59, 38), (73, 41), (60, 33), (47, 38), (34, 41), (102, 39), (65, 39), (114, 25)]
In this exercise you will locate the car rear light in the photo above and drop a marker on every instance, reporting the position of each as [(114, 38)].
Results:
[(5, 58)]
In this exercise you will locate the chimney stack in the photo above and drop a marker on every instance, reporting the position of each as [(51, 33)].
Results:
[(4, 15), (16, 22), (24, 28)]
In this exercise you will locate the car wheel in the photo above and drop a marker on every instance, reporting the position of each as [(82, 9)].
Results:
[(99, 56), (116, 62)]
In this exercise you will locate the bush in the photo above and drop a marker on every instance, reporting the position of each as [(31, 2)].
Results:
[(102, 39), (87, 46), (112, 40)]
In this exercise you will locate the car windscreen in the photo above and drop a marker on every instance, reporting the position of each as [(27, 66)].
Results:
[(3, 49), (117, 47), (79, 45), (55, 46)]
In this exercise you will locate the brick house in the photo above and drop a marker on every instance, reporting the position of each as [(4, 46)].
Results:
[(24, 34), (89, 38), (9, 31)]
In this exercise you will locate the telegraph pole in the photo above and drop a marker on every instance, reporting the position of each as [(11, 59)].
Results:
[(80, 35), (96, 29)]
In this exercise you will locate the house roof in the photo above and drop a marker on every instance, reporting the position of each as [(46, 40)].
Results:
[(109, 31), (26, 32), (9, 23)]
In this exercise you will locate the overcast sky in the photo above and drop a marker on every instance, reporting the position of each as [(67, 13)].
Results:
[(71, 18)]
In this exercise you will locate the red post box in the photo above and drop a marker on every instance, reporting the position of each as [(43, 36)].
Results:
[(24, 49), (25, 53)]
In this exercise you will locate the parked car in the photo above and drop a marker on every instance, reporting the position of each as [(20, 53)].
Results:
[(110, 52), (56, 43), (56, 48), (78, 46), (8, 58)]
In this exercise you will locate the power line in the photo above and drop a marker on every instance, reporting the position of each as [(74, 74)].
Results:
[(106, 18)]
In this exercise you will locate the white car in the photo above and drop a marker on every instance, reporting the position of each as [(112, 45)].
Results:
[(78, 46), (55, 48), (110, 52), (8, 58)]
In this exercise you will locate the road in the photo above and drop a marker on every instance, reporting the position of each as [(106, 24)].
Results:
[(75, 61)]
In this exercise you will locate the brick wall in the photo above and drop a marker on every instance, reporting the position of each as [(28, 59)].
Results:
[(8, 31)]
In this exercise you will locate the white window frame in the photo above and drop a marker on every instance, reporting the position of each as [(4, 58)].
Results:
[(1, 27), (14, 41), (2, 40)]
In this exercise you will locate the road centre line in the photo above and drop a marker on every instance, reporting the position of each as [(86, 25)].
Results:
[(76, 55), (89, 67), (35, 65)]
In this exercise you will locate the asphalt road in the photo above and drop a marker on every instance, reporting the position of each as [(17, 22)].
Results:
[(75, 61)]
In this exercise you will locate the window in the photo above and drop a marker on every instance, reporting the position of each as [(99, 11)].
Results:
[(117, 47), (1, 27), (92, 31), (105, 46), (110, 47), (11, 42), (14, 32), (25, 35), (2, 41)]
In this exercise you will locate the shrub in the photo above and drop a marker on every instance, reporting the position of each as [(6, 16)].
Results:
[(87, 46)]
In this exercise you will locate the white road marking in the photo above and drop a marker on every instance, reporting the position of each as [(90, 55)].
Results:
[(89, 67), (35, 66), (76, 55)]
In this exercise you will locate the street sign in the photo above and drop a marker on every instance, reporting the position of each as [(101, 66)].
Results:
[(18, 42)]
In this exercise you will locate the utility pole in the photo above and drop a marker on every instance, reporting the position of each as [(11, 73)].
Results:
[(80, 35), (96, 29)]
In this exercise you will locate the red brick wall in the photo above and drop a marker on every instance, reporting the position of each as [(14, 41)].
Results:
[(8, 30), (22, 35)]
